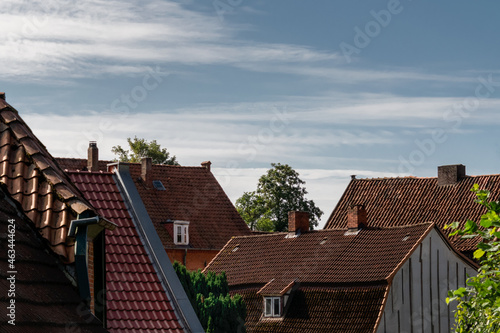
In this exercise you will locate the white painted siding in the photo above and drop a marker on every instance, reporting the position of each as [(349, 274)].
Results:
[(417, 298)]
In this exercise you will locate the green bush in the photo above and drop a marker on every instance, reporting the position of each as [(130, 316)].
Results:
[(209, 294)]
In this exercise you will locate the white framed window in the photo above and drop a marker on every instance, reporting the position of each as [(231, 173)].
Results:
[(181, 232), (272, 306)]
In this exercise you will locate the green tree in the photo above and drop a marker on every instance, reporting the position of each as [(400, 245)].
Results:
[(478, 308), (218, 311), (278, 192), (140, 148)]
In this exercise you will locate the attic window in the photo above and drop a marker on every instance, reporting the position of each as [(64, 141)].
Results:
[(405, 238), (323, 241), (181, 232), (158, 185), (272, 306), (236, 248)]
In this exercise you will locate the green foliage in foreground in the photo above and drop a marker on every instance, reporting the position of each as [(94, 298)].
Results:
[(209, 294), (478, 308)]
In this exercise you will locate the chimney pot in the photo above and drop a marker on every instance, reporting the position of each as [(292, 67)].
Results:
[(206, 165), (93, 157), (146, 166), (356, 217), (2, 95), (450, 174), (298, 222)]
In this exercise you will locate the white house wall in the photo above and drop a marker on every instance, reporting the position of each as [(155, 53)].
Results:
[(417, 298)]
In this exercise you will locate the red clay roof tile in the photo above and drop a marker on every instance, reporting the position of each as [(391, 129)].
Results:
[(340, 278), (410, 200), (192, 194), (36, 182), (369, 256), (319, 310), (134, 292), (46, 301)]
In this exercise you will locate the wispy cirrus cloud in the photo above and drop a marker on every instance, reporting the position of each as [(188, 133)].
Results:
[(92, 37)]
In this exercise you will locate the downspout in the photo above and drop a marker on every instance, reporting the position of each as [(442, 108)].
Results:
[(78, 229)]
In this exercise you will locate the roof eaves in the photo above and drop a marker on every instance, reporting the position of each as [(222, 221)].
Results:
[(432, 225), (382, 308), (153, 245)]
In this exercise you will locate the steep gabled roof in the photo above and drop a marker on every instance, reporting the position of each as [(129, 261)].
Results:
[(191, 194), (37, 183), (409, 200), (333, 257), (136, 299), (45, 300)]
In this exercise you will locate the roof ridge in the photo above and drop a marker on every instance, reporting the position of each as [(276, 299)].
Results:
[(418, 178), (87, 172)]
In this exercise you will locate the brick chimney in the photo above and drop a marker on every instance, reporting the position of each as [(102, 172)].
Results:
[(450, 174), (2, 95), (298, 222), (93, 157), (146, 166), (206, 165), (356, 217)]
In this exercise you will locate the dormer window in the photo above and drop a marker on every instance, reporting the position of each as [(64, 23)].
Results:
[(272, 307), (181, 232), (276, 294)]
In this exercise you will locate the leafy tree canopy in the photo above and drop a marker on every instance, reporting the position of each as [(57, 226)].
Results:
[(478, 308), (209, 294), (140, 148), (278, 192)]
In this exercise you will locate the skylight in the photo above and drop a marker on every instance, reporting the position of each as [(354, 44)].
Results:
[(158, 185)]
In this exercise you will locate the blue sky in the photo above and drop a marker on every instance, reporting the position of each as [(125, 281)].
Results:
[(333, 88)]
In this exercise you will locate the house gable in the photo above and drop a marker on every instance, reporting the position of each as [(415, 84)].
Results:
[(417, 294)]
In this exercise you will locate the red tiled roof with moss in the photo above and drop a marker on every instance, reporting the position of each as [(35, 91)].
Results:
[(324, 256), (409, 200), (136, 300), (314, 310), (192, 194), (339, 278), (35, 180)]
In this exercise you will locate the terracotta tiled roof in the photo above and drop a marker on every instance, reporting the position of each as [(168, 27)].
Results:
[(324, 256), (313, 310), (339, 279), (410, 200), (136, 300), (192, 194), (45, 299), (73, 164), (37, 183)]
